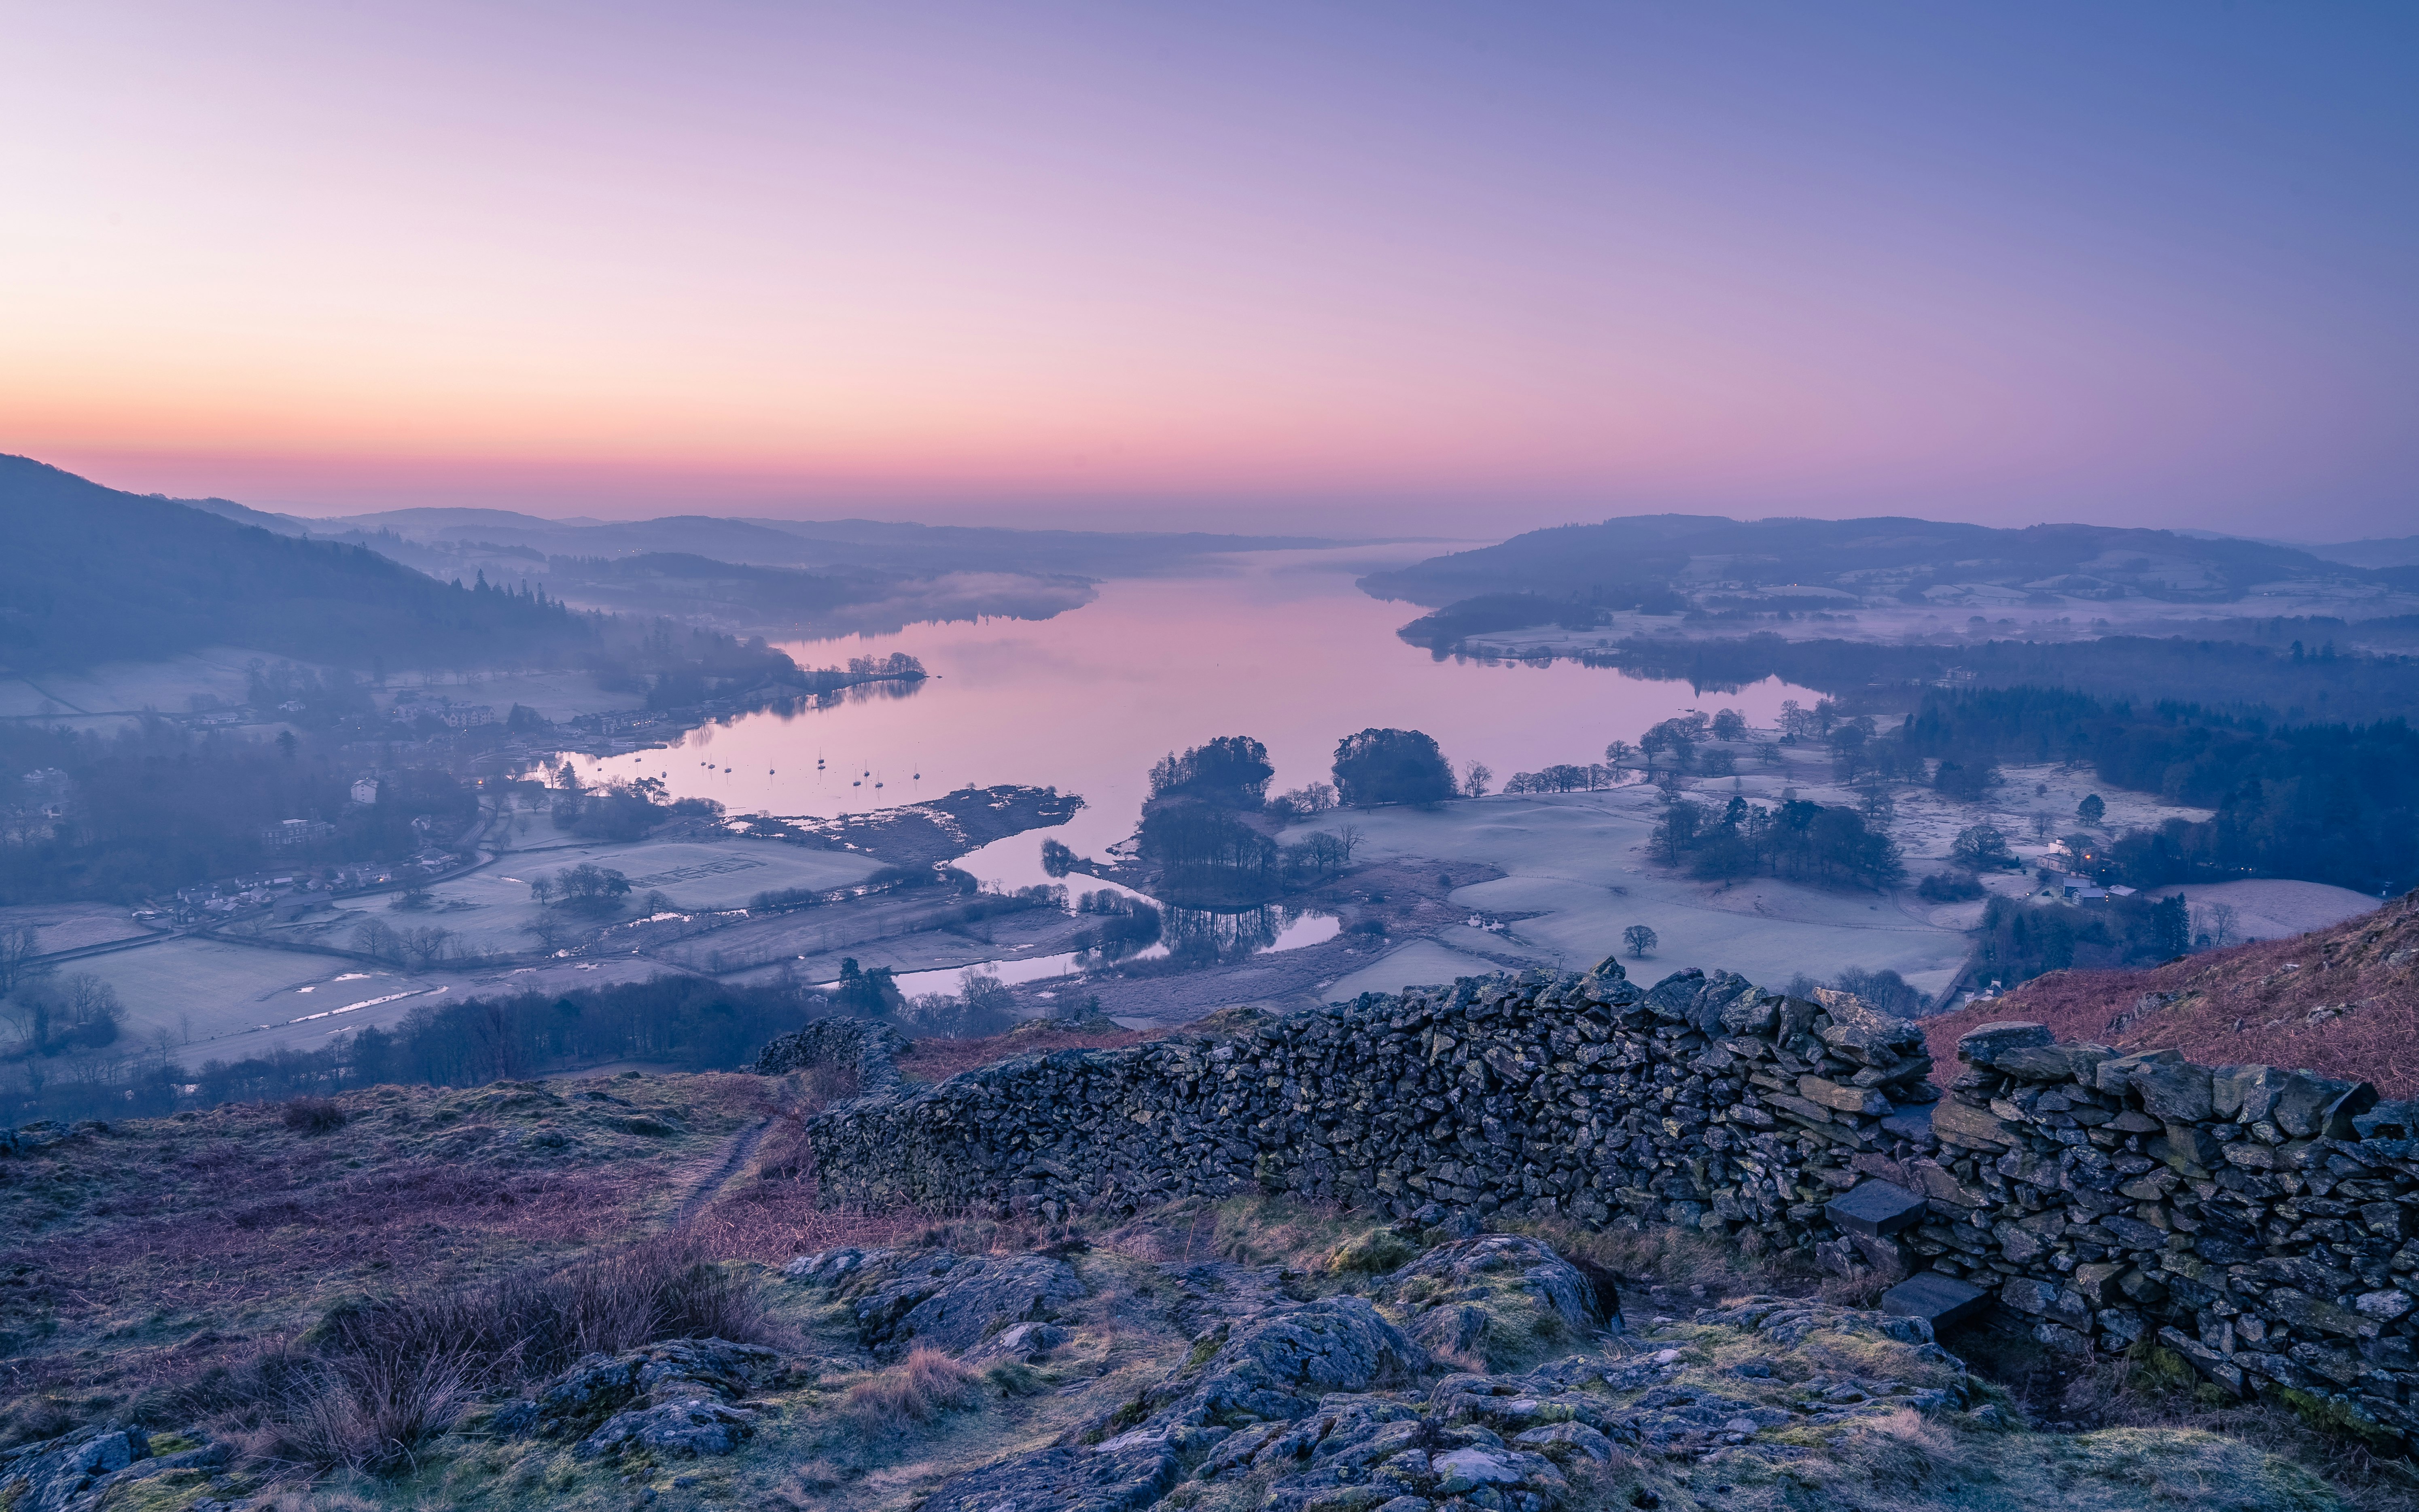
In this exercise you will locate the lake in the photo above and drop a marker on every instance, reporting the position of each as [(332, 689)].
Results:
[(1277, 645)]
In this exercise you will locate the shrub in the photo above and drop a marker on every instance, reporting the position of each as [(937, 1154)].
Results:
[(1948, 888), (314, 1115), (921, 1388)]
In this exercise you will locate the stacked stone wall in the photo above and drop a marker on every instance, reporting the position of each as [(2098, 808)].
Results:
[(2252, 1220)]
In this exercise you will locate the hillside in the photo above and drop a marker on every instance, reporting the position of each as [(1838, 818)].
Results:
[(94, 575), (1844, 562), (2343, 1001)]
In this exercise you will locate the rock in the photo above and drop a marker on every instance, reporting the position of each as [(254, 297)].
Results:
[(71, 1473), (2176, 1093), (1943, 1302), (1568, 1440), (677, 1370), (1954, 1123), (1862, 1033), (1983, 1045), (1064, 1480), (1830, 1094), (2115, 1076), (679, 1429), (1875, 1208), (980, 1294), (1277, 1364), (1021, 1342), (1910, 1124), (2051, 1062), (1466, 1470)]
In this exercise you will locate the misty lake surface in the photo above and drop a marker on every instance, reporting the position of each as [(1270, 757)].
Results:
[(1277, 645)]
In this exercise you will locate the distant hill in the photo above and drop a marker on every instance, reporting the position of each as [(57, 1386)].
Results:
[(2398, 551), (2343, 1000), (1704, 555), (93, 574), (883, 545)]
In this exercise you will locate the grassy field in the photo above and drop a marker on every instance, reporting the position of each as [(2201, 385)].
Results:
[(215, 1000), (132, 687), (69, 926)]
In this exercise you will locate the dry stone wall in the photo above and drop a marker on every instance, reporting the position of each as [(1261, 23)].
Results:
[(2250, 1219)]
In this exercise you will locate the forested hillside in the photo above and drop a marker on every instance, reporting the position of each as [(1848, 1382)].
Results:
[(92, 575)]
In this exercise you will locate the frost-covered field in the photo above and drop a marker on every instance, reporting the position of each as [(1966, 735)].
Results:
[(1577, 864)]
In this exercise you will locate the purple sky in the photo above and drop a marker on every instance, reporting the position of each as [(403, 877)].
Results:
[(1304, 267)]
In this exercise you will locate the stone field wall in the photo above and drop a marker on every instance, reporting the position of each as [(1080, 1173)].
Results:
[(2250, 1219)]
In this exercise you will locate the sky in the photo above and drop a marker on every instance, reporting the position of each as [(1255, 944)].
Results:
[(1354, 268)]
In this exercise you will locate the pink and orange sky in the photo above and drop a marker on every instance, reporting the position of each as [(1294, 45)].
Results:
[(1341, 267)]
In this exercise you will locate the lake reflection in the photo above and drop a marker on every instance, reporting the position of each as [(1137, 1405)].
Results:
[(1279, 646)]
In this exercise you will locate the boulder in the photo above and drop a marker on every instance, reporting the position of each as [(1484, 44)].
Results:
[(682, 1430), (1983, 1045)]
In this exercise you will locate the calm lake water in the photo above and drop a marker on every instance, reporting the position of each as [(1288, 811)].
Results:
[(1278, 645)]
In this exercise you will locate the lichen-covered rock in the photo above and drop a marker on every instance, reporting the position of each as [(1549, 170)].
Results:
[(1125, 1479), (680, 1429), (939, 1298), (599, 1386), (1278, 1364)]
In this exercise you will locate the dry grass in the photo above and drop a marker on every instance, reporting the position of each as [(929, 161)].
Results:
[(915, 1391), (2331, 1001), (314, 1115), (375, 1380)]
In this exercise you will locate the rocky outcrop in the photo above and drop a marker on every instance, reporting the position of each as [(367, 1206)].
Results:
[(672, 1398), (78, 1472), (939, 1298)]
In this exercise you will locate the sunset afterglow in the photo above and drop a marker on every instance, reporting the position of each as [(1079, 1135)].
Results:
[(1096, 263)]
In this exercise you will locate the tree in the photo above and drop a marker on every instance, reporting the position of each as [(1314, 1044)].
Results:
[(542, 888), (424, 947), (20, 947), (375, 940), (1475, 779), (548, 929), (1380, 766), (2091, 809), (1982, 848), (1058, 858), (1730, 725), (1618, 752), (2043, 822), (1349, 837), (591, 888), (866, 994), (2170, 932), (1231, 770), (1641, 941)]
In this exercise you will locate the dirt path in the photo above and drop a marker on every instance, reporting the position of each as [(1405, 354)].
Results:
[(742, 1149)]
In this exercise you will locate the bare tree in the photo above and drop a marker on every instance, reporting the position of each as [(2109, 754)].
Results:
[(20, 948), (424, 947), (548, 929), (1349, 837), (377, 939), (1640, 939), (1475, 779)]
